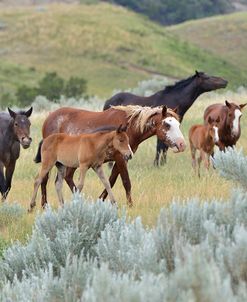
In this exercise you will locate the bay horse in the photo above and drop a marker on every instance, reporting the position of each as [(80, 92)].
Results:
[(203, 138), (181, 95), (229, 125), (14, 131), (143, 122), (82, 151)]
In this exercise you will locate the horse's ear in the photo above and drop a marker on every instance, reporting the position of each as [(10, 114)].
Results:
[(210, 120), (164, 111), (227, 104), (176, 110), (197, 73), (29, 112), (242, 106), (12, 113), (218, 119)]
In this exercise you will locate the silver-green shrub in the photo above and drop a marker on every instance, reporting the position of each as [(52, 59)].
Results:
[(10, 212), (84, 252), (72, 230)]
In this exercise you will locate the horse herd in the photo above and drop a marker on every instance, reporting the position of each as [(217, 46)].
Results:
[(77, 138)]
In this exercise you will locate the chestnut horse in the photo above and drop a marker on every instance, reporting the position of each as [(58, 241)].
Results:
[(14, 131), (84, 151), (229, 125), (143, 122), (181, 95), (203, 138)]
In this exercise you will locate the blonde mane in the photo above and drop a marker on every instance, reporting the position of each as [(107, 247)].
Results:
[(142, 114)]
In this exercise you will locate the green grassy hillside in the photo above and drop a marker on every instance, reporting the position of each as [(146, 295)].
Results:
[(225, 36), (108, 45)]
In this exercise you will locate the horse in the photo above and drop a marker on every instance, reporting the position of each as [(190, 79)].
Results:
[(229, 125), (181, 95), (143, 122), (84, 151), (203, 138), (14, 131)]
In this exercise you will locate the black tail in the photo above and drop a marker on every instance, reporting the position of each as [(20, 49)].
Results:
[(37, 158)]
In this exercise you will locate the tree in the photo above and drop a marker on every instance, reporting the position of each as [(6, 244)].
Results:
[(75, 87), (25, 95), (51, 86)]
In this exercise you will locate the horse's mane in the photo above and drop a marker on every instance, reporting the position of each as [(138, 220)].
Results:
[(142, 114), (179, 85)]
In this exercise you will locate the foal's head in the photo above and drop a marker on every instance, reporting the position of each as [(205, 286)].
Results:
[(233, 117), (121, 142), (168, 130), (21, 126), (213, 129)]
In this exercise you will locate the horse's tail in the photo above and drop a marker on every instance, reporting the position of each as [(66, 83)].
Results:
[(37, 158)]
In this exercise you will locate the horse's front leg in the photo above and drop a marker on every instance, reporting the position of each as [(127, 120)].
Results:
[(10, 168), (123, 170), (44, 191), (2, 180), (100, 172), (112, 180)]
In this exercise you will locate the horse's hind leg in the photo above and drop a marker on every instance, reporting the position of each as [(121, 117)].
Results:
[(38, 180), (44, 191), (59, 182), (99, 171)]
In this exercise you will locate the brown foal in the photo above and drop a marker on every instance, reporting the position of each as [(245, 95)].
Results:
[(84, 151), (203, 138)]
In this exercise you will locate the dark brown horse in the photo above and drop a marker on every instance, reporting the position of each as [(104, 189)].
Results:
[(229, 125), (82, 151), (143, 122), (181, 95), (14, 131)]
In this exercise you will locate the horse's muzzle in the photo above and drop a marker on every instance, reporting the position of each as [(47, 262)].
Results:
[(26, 142), (128, 156), (179, 145)]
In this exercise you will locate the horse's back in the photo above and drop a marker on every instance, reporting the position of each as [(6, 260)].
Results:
[(214, 111), (196, 134), (122, 98)]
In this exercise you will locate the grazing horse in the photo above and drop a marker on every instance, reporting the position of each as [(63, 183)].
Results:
[(203, 138), (14, 131), (143, 122), (229, 125), (181, 95), (84, 151)]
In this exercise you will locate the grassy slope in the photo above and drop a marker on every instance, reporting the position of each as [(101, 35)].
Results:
[(105, 44), (225, 36)]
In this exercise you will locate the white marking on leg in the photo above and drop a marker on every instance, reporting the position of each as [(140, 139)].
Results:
[(235, 127)]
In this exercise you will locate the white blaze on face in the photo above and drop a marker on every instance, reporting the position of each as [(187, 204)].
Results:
[(216, 134), (174, 133), (235, 127), (131, 152)]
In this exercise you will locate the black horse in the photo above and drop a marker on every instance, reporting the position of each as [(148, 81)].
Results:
[(180, 95), (14, 130)]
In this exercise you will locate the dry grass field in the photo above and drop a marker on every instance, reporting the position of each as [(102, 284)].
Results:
[(152, 188)]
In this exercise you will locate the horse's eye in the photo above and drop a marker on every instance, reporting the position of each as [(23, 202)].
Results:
[(16, 124), (167, 126)]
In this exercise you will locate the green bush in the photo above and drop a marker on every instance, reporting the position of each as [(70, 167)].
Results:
[(75, 87), (25, 95), (51, 86)]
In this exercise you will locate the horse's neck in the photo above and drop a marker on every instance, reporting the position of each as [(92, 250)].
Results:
[(137, 137), (106, 142), (183, 98)]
